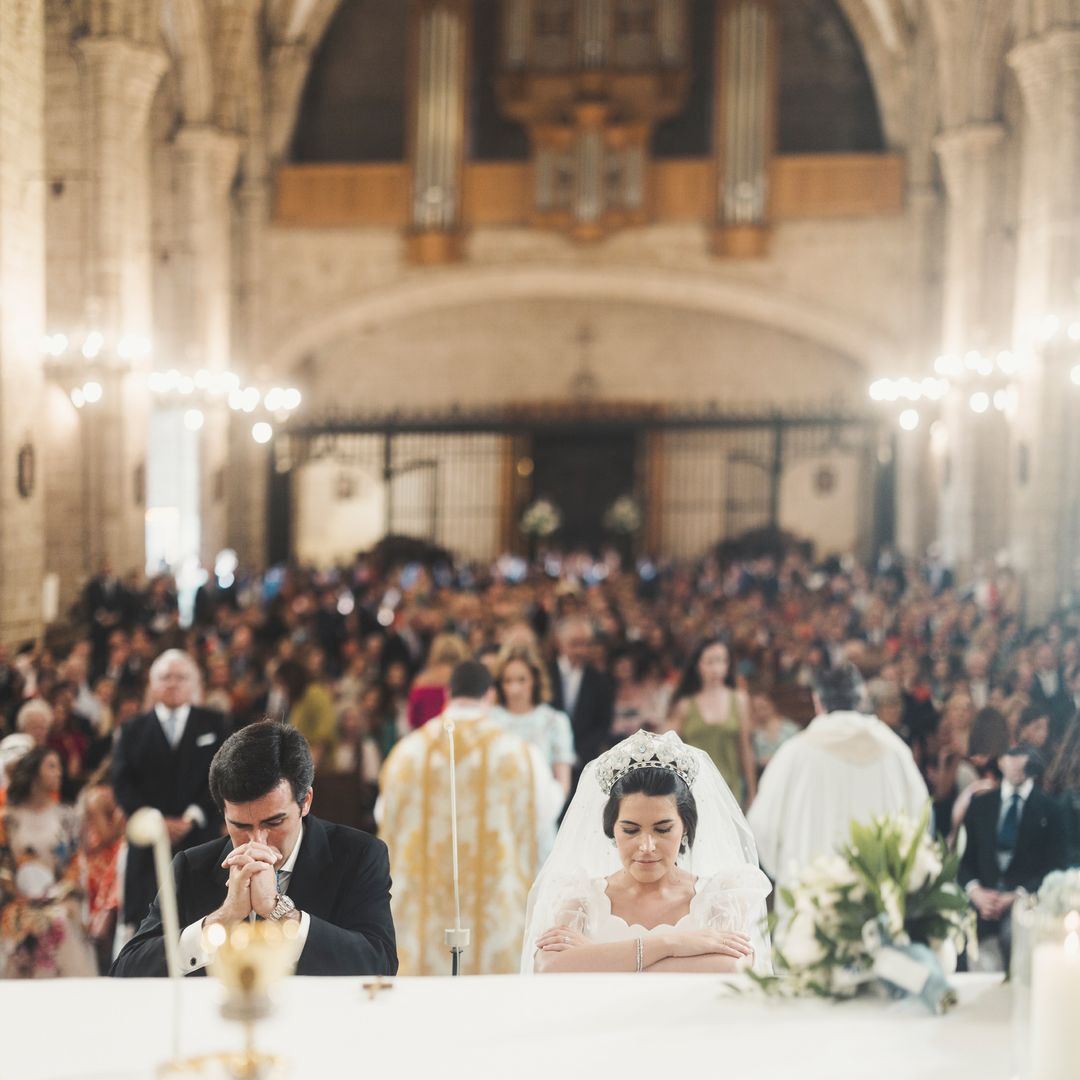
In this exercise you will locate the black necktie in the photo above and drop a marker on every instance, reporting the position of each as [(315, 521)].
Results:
[(1010, 825)]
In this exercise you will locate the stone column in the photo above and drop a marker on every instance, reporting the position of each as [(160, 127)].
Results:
[(206, 161), (917, 479), (973, 520), (22, 315), (1047, 486), (117, 85), (917, 482), (247, 472)]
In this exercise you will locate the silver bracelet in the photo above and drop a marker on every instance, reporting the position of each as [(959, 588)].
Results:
[(640, 943)]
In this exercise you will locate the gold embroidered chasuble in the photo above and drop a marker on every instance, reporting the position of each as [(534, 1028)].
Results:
[(497, 844)]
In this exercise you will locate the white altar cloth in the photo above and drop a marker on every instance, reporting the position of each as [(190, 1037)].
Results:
[(554, 1027)]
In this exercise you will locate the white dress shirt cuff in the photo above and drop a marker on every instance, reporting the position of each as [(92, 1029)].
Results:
[(193, 955), (195, 815), (305, 926), (971, 886)]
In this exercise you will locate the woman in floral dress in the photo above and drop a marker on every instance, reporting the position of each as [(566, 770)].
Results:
[(41, 931)]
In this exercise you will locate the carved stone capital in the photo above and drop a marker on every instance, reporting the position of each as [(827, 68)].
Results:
[(964, 150), (123, 77), (1041, 64), (213, 153)]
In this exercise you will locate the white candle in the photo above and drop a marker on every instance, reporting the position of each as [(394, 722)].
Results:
[(1055, 1007)]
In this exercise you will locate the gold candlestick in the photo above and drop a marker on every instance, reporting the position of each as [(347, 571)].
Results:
[(249, 960)]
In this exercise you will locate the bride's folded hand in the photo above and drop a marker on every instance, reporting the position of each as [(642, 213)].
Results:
[(559, 939), (717, 942)]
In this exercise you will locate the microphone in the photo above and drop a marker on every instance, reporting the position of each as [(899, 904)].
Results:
[(457, 939), (146, 828)]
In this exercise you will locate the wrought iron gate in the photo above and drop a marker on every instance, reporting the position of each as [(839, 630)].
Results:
[(461, 480)]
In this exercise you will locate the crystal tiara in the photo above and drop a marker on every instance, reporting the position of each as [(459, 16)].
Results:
[(646, 751)]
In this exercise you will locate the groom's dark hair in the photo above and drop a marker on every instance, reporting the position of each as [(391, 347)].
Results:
[(653, 782), (251, 763)]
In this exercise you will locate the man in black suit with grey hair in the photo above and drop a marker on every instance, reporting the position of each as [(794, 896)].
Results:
[(162, 759)]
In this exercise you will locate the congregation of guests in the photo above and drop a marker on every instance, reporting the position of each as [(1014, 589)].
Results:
[(356, 659)]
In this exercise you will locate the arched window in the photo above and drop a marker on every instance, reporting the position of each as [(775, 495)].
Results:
[(492, 136), (355, 99), (826, 100), (690, 133)]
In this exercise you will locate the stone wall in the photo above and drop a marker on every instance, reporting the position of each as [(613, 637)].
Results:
[(648, 318), (22, 288)]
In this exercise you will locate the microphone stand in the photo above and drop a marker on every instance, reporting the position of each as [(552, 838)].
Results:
[(457, 938), (147, 829)]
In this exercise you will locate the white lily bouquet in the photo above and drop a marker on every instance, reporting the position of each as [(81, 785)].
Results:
[(541, 518), (886, 909)]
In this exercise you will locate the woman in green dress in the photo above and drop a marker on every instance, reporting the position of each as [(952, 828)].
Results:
[(709, 713)]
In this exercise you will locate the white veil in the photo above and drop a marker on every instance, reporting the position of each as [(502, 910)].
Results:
[(723, 846)]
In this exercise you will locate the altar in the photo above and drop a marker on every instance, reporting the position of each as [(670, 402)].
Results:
[(546, 1028)]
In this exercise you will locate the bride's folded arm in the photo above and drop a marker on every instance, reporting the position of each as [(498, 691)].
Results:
[(707, 963), (554, 956), (561, 949)]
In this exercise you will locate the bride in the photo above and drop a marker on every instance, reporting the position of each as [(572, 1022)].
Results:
[(654, 869)]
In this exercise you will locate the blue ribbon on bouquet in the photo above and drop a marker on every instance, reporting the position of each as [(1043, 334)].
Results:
[(907, 969)]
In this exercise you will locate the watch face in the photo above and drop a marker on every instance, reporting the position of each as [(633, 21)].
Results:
[(283, 906)]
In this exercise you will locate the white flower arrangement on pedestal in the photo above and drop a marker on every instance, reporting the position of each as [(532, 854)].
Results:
[(886, 908), (623, 516), (541, 518)]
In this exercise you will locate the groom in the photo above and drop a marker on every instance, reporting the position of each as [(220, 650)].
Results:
[(278, 863)]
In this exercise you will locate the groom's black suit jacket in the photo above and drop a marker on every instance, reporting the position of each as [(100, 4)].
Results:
[(341, 879)]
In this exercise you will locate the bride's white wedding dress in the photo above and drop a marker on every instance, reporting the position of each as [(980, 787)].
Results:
[(726, 901), (730, 889)]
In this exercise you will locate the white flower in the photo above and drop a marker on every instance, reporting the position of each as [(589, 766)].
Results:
[(947, 957), (623, 515), (800, 946), (905, 828), (927, 866), (541, 518), (1060, 892), (894, 907)]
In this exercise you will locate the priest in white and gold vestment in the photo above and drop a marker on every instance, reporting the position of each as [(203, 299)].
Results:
[(506, 798)]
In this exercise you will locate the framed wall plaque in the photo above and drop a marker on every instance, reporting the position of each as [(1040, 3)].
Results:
[(24, 470)]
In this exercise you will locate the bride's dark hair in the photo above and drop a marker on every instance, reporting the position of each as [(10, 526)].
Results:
[(653, 782)]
